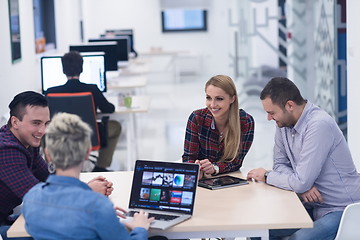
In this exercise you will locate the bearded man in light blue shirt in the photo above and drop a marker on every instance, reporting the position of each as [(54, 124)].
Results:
[(311, 158)]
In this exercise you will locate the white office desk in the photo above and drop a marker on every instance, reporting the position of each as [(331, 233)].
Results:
[(242, 211), (161, 52), (134, 76), (171, 55), (140, 104), (134, 69), (124, 82)]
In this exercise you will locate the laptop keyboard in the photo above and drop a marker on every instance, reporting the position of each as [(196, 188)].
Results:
[(162, 217)]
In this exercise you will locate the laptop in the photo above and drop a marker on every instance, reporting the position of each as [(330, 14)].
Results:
[(165, 190)]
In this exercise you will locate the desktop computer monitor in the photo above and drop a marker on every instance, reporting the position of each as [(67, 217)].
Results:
[(109, 33), (93, 71), (129, 30), (123, 48), (110, 48)]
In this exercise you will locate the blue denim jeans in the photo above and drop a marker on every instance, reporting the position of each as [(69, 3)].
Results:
[(3, 230), (325, 228)]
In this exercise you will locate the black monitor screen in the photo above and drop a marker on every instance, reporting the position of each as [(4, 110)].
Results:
[(109, 48), (116, 31), (123, 47), (93, 71), (180, 20), (110, 33)]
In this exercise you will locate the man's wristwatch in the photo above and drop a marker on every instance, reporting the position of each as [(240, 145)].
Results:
[(216, 168), (266, 175)]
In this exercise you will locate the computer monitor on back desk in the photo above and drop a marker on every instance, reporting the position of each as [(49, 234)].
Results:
[(93, 71), (123, 47), (110, 48), (110, 33)]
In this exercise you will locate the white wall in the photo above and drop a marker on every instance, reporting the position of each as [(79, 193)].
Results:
[(67, 21), (353, 74), (146, 23), (21, 75), (25, 74), (215, 45)]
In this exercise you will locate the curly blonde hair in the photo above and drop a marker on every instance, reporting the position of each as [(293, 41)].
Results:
[(67, 140)]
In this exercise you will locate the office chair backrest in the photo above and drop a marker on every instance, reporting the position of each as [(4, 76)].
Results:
[(349, 227), (81, 104)]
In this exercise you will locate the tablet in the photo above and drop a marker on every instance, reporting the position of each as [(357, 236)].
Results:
[(221, 182)]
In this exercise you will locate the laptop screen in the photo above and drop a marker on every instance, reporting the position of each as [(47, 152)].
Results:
[(166, 186)]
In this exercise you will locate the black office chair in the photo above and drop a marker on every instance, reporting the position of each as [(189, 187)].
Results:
[(81, 104)]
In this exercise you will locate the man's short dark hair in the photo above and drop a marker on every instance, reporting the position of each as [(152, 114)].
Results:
[(280, 90), (72, 63), (24, 99)]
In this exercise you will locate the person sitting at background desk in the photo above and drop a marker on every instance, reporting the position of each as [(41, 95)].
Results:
[(218, 137), (63, 207), (72, 63), (21, 165), (311, 158)]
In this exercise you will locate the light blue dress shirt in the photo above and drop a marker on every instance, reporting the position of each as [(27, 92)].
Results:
[(315, 153), (66, 208)]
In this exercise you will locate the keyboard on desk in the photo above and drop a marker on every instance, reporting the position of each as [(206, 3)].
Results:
[(157, 216)]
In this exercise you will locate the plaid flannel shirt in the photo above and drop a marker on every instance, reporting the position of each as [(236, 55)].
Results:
[(20, 169), (202, 140)]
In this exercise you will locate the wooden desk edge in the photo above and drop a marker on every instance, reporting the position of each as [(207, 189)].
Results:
[(17, 229)]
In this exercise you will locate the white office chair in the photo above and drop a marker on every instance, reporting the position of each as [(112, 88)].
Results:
[(349, 225)]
